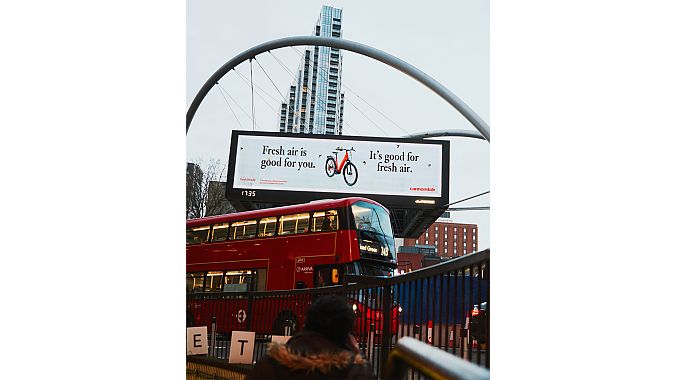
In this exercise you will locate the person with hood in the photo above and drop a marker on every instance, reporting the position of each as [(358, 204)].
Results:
[(324, 349)]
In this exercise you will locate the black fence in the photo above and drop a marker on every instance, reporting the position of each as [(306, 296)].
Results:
[(445, 305)]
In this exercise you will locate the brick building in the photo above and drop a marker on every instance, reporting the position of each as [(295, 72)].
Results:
[(448, 238), (410, 258)]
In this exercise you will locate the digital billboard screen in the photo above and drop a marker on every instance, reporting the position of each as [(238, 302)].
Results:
[(280, 167)]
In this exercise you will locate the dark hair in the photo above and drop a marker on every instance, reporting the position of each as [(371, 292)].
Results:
[(330, 316)]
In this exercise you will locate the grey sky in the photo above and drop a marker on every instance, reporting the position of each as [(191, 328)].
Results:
[(448, 40)]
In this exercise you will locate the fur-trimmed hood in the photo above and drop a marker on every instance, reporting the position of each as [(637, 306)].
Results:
[(324, 362), (310, 355)]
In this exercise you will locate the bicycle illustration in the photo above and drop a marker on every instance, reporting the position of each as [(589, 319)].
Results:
[(346, 166)]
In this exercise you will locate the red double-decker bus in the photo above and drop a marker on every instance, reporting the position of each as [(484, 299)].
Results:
[(291, 247)]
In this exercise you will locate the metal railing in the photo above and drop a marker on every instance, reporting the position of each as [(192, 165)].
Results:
[(429, 361), (445, 305)]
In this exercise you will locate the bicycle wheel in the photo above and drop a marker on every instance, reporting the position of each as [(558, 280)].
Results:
[(350, 174), (330, 167)]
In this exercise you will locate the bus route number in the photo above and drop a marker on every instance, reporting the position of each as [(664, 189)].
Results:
[(249, 193)]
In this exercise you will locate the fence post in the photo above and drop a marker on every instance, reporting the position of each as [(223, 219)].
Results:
[(212, 345), (249, 316), (386, 332)]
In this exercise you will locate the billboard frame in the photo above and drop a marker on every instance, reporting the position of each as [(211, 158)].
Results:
[(290, 196)]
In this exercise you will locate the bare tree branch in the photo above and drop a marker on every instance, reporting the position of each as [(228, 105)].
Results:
[(205, 189)]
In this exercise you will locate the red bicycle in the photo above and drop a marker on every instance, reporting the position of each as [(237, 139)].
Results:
[(346, 166)]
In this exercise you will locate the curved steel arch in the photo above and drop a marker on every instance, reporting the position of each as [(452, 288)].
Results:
[(446, 132), (352, 46)]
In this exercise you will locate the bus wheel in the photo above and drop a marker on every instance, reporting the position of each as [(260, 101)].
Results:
[(285, 324)]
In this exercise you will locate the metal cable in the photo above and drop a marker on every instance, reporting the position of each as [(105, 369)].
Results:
[(243, 78), (293, 77), (253, 110), (342, 84), (228, 103), (258, 93), (466, 199), (237, 104), (271, 81)]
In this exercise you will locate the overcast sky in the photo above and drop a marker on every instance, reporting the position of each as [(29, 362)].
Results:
[(448, 40)]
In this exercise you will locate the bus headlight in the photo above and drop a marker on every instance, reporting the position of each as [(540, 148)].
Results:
[(354, 307), (400, 309)]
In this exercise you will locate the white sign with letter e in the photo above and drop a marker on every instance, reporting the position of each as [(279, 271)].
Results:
[(241, 347), (197, 343)]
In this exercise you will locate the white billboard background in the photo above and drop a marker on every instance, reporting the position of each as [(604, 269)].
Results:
[(298, 164)]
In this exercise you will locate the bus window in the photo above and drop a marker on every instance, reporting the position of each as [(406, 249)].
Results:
[(267, 226), (243, 230), (303, 223), (237, 280), (325, 221), (197, 235), (294, 224), (194, 282), (214, 281), (220, 232), (369, 217)]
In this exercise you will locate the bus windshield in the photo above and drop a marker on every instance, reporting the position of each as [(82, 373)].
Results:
[(374, 230)]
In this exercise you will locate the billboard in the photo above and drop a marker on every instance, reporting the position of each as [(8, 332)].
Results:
[(281, 167)]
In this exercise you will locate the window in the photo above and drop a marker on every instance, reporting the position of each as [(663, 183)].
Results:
[(238, 281), (220, 232), (195, 282), (197, 235), (369, 217), (243, 230), (294, 224), (214, 281), (267, 226), (325, 220)]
